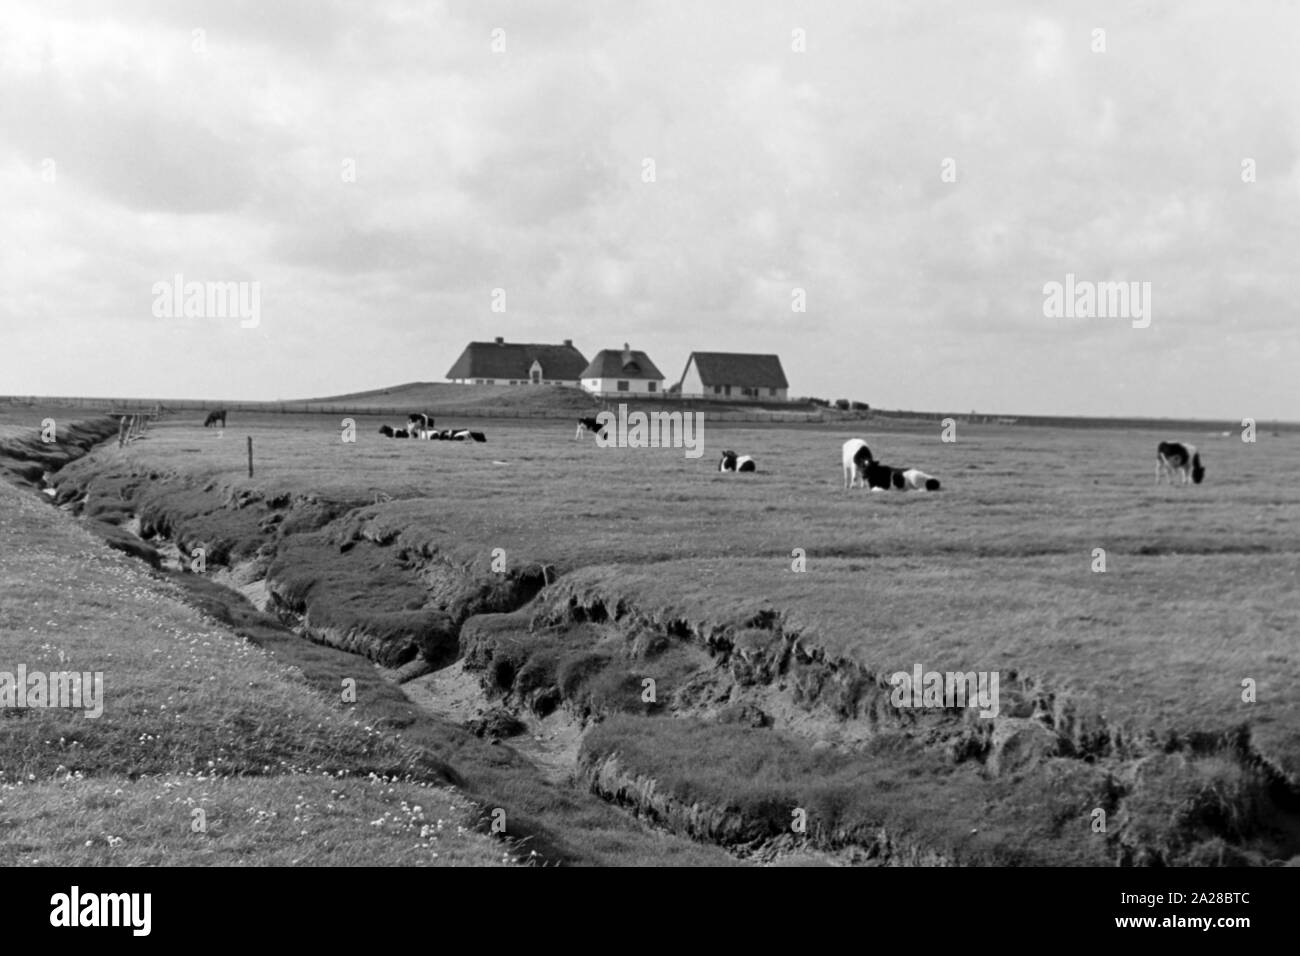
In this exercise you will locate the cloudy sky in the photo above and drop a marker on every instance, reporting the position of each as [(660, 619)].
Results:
[(920, 170)]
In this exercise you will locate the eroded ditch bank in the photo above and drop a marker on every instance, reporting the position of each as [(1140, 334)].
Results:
[(746, 728)]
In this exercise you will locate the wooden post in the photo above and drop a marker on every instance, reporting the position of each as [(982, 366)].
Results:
[(121, 432), (250, 456)]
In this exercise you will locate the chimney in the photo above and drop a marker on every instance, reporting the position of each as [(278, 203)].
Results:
[(627, 353), (500, 340), (569, 342)]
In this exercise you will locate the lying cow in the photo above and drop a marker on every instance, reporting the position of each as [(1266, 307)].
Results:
[(914, 479), (1174, 457), (588, 425), (882, 477), (389, 431), (733, 462), (861, 467), (456, 434)]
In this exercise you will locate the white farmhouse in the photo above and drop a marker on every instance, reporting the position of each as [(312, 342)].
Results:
[(616, 372)]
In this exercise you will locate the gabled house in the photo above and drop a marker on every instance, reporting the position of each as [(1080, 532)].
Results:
[(622, 372), (514, 363), (735, 375)]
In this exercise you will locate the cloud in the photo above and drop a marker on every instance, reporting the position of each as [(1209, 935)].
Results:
[(380, 169)]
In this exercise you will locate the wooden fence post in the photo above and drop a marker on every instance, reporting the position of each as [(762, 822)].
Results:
[(250, 456)]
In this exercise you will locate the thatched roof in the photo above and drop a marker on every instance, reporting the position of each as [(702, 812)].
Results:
[(512, 360), (738, 369), (622, 363)]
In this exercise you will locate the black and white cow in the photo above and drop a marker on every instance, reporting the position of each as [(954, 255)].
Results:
[(882, 477), (1173, 457), (861, 467), (856, 458), (914, 479), (455, 434), (419, 424), (733, 462), (588, 425), (388, 431), (217, 418)]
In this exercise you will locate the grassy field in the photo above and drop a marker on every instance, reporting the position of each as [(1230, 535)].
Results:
[(1121, 689), (193, 719)]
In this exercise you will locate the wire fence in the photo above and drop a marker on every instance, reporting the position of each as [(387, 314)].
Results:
[(171, 406), (757, 416)]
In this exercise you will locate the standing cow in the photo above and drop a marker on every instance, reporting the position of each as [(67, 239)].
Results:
[(857, 456), (1173, 457)]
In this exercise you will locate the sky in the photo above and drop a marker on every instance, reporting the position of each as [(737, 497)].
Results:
[(878, 192)]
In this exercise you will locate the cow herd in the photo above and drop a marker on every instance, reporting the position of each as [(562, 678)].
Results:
[(419, 425), (860, 467)]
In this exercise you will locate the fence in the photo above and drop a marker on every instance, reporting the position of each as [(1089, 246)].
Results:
[(119, 406), (757, 416)]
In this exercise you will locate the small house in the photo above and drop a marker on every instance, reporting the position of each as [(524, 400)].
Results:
[(622, 372), (736, 375)]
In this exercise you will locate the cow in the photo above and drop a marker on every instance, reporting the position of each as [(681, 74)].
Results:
[(733, 462), (914, 479), (217, 418), (455, 434), (418, 424), (588, 425), (388, 431), (856, 458), (881, 477), (1176, 457)]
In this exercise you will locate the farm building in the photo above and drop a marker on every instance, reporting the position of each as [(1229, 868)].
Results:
[(514, 363), (622, 371), (733, 375)]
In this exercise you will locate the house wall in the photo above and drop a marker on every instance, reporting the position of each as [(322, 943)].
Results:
[(635, 386), (692, 387)]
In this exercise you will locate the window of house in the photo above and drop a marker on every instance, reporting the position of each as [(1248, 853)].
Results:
[(726, 390), (652, 386), (622, 385), (772, 392)]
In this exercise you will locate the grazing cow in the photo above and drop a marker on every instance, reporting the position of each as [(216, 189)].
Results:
[(914, 479), (856, 458), (217, 418), (588, 425), (1176, 457), (732, 462)]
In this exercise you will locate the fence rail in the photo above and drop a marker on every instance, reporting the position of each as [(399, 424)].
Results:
[(756, 416), (123, 406)]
